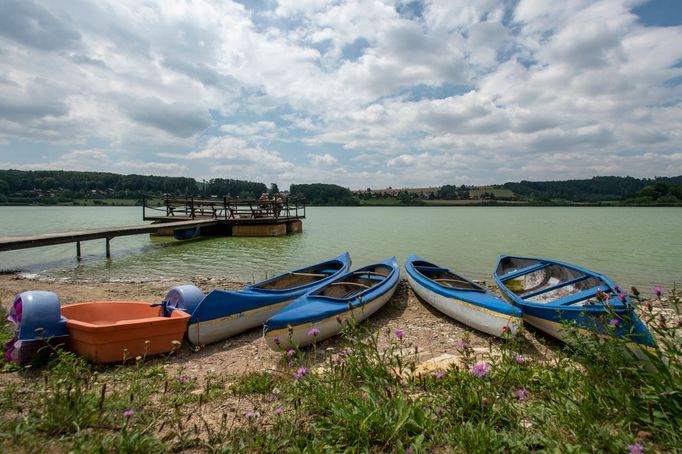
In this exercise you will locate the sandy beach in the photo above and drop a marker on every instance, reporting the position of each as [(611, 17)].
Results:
[(431, 332)]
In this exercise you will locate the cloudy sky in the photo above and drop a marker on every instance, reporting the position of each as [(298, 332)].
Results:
[(365, 93)]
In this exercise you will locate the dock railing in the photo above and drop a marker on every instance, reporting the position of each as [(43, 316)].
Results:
[(176, 208)]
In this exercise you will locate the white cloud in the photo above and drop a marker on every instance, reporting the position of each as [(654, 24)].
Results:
[(473, 90)]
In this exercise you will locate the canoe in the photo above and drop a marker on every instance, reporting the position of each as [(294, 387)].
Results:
[(461, 299), (321, 314), (116, 331), (222, 314), (554, 296), (37, 322), (186, 234)]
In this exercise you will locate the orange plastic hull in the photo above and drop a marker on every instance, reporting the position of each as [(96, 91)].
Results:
[(117, 331)]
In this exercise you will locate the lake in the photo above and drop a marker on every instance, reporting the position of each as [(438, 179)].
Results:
[(635, 246)]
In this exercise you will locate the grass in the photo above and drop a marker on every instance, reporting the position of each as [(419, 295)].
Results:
[(364, 398)]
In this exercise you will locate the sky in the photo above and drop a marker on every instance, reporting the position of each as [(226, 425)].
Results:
[(365, 93)]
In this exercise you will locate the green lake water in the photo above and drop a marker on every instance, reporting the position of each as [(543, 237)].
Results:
[(635, 246)]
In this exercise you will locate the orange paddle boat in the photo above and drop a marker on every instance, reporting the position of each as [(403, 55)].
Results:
[(118, 331)]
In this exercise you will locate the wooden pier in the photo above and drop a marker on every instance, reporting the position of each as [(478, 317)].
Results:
[(215, 217)]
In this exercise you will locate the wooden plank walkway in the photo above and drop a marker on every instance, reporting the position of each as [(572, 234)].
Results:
[(9, 243)]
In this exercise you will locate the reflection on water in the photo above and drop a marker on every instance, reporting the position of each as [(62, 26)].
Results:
[(640, 246)]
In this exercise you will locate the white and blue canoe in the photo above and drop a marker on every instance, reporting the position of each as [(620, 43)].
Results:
[(558, 298), (353, 296), (224, 313), (461, 299)]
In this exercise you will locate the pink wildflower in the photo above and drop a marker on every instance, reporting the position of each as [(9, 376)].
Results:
[(621, 297), (347, 351), (301, 372), (439, 375), (128, 413), (291, 352), (521, 393), (314, 332), (399, 333), (480, 369), (279, 410), (658, 291), (614, 322), (636, 448), (463, 345), (518, 359)]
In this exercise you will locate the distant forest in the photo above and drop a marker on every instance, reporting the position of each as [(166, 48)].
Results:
[(58, 187), (67, 187), (598, 189)]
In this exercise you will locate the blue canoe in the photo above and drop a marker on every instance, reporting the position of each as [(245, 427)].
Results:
[(322, 313), (556, 297), (461, 299), (222, 314), (186, 234)]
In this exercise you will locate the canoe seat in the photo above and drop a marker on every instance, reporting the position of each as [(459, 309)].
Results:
[(310, 274), (357, 284), (580, 296), (524, 271), (555, 287), (451, 280), (369, 273)]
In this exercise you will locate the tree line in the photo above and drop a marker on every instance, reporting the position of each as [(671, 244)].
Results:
[(59, 186)]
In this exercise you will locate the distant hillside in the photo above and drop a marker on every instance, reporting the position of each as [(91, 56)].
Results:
[(593, 190)]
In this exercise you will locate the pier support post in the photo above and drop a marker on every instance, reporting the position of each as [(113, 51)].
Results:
[(108, 249), (78, 250)]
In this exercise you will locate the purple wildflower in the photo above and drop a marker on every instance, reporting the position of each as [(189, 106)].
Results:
[(636, 448), (480, 369), (658, 291), (399, 333), (439, 375), (521, 393), (279, 410), (291, 352), (409, 451), (439, 410), (182, 379), (614, 322), (347, 351), (272, 397), (250, 414), (634, 291), (314, 332), (621, 297), (301, 372), (291, 364), (128, 413), (276, 340), (518, 359), (463, 345)]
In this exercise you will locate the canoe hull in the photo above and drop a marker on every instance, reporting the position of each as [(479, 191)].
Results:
[(327, 309), (479, 318), (578, 311), (329, 327), (221, 328), (222, 314)]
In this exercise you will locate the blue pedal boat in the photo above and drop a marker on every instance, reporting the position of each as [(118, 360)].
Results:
[(223, 313), (322, 313), (557, 297), (462, 299)]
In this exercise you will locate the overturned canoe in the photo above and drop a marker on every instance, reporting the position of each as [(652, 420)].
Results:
[(557, 298), (222, 314), (321, 314), (461, 299)]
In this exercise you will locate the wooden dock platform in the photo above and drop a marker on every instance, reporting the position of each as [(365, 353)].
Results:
[(10, 243), (215, 216)]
